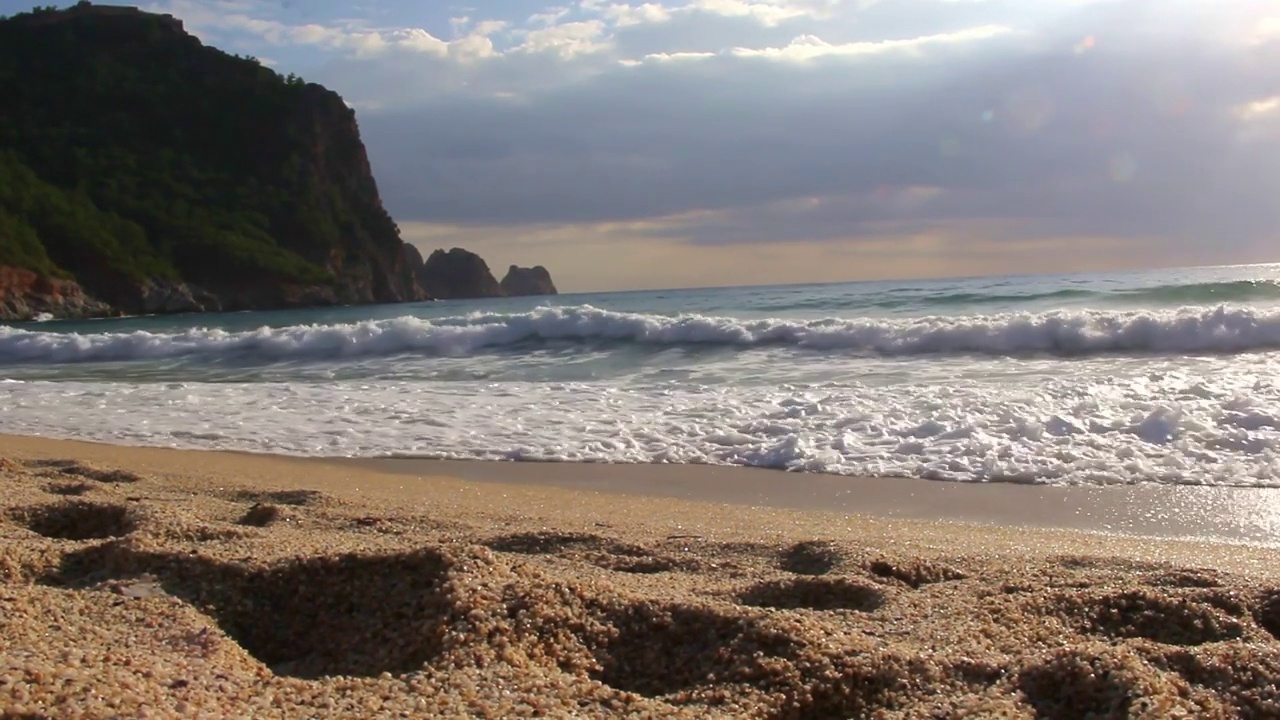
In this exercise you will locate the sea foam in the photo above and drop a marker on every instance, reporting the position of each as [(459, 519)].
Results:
[(1217, 423)]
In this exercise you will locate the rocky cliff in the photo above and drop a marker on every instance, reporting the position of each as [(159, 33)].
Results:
[(25, 294), (144, 172)]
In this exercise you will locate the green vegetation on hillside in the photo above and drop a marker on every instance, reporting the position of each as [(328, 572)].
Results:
[(131, 151)]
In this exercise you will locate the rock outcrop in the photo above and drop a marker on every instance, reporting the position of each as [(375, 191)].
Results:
[(27, 295), (457, 274), (527, 281)]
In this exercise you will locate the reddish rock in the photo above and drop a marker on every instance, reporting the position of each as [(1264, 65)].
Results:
[(25, 295)]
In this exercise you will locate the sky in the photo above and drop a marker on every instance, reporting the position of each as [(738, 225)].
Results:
[(627, 144)]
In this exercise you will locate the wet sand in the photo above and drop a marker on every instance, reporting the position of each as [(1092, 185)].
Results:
[(145, 582), (1231, 514)]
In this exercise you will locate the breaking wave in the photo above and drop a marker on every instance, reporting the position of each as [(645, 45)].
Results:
[(1060, 333)]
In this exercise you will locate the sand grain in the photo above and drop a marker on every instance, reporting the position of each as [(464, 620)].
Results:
[(208, 586)]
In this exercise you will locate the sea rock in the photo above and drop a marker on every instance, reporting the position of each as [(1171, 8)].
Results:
[(527, 281), (457, 273)]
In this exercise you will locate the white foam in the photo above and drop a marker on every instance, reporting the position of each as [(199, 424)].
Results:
[(1063, 333), (1192, 420)]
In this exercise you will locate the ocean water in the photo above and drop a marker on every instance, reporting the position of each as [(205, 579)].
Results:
[(1162, 376)]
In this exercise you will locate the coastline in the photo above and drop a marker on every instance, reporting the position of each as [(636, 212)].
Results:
[(205, 583), (1224, 514), (1248, 515)]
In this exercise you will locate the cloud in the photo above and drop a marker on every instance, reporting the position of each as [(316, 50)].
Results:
[(350, 37), (1259, 110), (938, 127), (809, 47), (769, 13), (623, 15), (565, 39), (1101, 126), (550, 16)]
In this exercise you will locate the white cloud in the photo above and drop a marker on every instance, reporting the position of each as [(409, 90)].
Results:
[(1267, 30), (566, 39), (422, 41), (1259, 109), (809, 47), (767, 12), (715, 123), (673, 57), (347, 36), (1260, 122), (551, 16), (490, 27), (623, 15)]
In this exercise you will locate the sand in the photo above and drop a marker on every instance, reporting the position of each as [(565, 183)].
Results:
[(159, 583)]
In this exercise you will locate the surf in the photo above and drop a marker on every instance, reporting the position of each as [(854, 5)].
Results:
[(1060, 333)]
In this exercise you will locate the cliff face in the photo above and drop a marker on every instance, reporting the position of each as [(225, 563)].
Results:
[(26, 294), (141, 171), (527, 281)]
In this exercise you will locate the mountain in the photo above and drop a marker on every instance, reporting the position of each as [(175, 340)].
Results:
[(142, 171)]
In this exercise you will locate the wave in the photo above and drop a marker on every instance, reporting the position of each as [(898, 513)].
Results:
[(972, 298), (1059, 333), (1212, 293), (895, 300), (1201, 293)]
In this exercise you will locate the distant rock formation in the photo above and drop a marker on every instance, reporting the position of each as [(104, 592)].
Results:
[(527, 281), (457, 274)]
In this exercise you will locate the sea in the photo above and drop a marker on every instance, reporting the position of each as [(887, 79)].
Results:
[(1169, 376)]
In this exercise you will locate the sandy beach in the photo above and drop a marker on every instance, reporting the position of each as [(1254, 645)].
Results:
[(163, 583)]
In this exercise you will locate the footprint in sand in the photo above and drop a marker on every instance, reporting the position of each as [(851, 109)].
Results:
[(78, 520), (68, 489), (1156, 616), (814, 594), (811, 557), (1267, 614), (656, 650), (916, 573), (75, 468), (594, 549)]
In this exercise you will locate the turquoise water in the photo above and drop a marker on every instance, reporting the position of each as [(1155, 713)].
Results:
[(1161, 376), (1250, 284)]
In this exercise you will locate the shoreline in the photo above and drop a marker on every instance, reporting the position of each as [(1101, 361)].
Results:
[(1224, 514), (186, 583), (1227, 514)]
